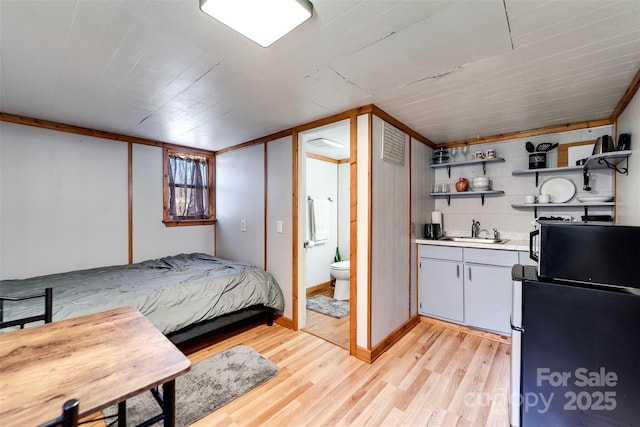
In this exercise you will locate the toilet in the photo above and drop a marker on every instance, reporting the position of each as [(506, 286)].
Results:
[(340, 271)]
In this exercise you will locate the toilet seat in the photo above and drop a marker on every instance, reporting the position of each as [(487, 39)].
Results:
[(340, 265)]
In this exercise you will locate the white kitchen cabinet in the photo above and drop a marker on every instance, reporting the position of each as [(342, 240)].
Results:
[(440, 283), (467, 285), (441, 289), (487, 288), (487, 297)]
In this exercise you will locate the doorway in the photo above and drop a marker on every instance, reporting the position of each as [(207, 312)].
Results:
[(324, 212)]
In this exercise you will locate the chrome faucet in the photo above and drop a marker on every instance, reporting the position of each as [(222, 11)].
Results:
[(475, 228)]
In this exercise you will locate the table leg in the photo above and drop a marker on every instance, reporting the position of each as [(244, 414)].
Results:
[(169, 394), (122, 414)]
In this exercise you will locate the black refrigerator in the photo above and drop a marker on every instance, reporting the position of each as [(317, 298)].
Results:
[(576, 328)]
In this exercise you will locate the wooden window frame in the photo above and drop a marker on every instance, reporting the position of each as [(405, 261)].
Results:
[(166, 219)]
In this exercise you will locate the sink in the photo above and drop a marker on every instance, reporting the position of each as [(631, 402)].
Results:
[(474, 240)]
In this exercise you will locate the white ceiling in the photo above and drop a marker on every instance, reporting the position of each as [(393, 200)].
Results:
[(450, 70)]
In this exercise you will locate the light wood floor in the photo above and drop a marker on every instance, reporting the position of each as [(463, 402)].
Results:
[(329, 328), (435, 375)]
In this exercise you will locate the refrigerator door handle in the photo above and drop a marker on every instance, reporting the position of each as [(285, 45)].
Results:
[(533, 254), (514, 327)]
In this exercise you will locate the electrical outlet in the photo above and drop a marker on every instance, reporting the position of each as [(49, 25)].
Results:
[(243, 225), (279, 226)]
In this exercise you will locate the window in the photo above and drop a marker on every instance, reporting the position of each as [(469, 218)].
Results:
[(188, 188)]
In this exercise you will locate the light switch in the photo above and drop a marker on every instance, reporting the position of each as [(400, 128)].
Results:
[(279, 226), (243, 225)]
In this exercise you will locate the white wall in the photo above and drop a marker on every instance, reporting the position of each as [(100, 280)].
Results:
[(390, 240), (628, 195), (497, 211), (240, 184), (64, 202), (240, 195), (344, 210), (422, 204), (321, 183), (66, 207), (151, 239), (279, 208), (362, 212)]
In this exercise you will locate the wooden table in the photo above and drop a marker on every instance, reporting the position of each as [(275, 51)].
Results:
[(100, 359)]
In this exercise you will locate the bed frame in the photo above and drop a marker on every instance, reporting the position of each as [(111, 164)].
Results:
[(224, 323)]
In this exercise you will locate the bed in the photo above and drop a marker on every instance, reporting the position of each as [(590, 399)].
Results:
[(184, 296)]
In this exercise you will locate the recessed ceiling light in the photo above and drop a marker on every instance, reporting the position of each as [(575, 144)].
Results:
[(324, 142), (263, 21)]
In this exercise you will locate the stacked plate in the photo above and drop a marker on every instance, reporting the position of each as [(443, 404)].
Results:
[(480, 183), (441, 155)]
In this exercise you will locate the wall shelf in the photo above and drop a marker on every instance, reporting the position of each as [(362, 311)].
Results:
[(609, 160), (483, 162), (480, 194), (535, 206)]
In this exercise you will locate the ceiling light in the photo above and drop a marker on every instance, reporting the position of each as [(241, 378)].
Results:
[(263, 21), (324, 142)]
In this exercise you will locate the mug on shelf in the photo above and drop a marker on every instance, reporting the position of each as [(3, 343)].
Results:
[(491, 153), (529, 199), (478, 155), (544, 198)]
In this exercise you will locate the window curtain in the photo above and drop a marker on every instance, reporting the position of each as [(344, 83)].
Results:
[(188, 187)]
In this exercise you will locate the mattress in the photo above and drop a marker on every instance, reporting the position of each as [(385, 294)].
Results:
[(172, 292)]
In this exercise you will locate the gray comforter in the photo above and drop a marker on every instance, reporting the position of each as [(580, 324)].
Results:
[(172, 292)]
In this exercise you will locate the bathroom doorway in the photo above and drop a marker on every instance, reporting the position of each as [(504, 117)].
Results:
[(324, 201)]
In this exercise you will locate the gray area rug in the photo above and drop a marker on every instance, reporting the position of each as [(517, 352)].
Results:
[(209, 385), (329, 306)]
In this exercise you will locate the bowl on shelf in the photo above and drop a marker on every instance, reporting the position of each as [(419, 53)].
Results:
[(480, 183)]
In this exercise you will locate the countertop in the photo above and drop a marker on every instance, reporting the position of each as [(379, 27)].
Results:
[(509, 245)]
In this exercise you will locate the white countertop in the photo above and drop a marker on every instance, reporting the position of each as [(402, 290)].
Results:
[(509, 245)]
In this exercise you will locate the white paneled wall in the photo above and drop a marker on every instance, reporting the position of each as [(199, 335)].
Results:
[(64, 204), (344, 210), (279, 208), (422, 204), (240, 198), (629, 185), (390, 240), (151, 239), (362, 209), (321, 183), (497, 211)]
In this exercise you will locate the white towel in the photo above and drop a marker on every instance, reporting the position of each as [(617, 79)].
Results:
[(320, 215)]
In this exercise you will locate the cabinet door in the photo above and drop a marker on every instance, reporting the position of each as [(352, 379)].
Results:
[(487, 297), (441, 289)]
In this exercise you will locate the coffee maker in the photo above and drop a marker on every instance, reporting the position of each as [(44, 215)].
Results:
[(432, 231)]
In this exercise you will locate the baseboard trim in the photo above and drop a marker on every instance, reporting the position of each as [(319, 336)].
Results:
[(466, 329), (370, 356), (284, 321), (386, 343), (313, 290), (363, 354)]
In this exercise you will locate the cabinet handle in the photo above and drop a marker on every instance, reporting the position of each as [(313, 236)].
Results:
[(458, 271), (469, 273)]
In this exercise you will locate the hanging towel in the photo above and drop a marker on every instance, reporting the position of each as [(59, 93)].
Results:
[(320, 214)]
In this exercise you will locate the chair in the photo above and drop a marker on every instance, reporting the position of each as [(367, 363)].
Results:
[(69, 417), (46, 316)]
